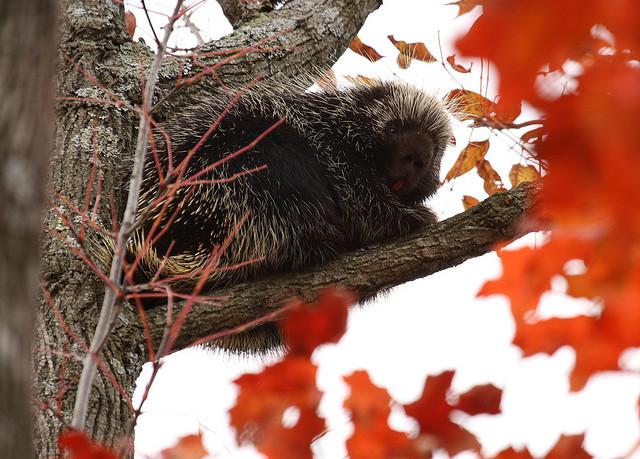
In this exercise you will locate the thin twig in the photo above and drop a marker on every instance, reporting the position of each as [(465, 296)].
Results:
[(107, 313)]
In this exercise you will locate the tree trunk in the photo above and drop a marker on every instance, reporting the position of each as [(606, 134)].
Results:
[(87, 134), (27, 36), (97, 63)]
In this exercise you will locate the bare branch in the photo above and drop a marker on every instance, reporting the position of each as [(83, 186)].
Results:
[(113, 296), (369, 271)]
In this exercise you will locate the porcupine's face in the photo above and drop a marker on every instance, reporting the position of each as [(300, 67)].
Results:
[(407, 160), (414, 132)]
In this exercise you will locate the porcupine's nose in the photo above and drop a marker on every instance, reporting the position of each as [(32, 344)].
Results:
[(420, 156)]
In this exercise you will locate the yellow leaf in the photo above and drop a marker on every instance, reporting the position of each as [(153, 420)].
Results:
[(469, 201), (520, 174)]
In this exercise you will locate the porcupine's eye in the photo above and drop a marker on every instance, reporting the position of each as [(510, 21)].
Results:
[(393, 127)]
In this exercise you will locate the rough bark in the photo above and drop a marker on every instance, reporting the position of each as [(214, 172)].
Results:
[(240, 12), (303, 35), (97, 61), (91, 32)]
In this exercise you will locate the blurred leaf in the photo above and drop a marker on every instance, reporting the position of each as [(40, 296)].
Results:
[(188, 447)]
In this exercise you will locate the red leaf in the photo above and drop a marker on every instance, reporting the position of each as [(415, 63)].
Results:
[(372, 437), (569, 447), (79, 446), (323, 321), (263, 400), (513, 454), (483, 399), (188, 447), (522, 37), (527, 274), (432, 413)]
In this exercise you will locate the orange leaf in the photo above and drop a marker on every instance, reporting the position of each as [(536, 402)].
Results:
[(506, 110), (520, 174), (481, 399), (598, 342), (492, 181), (464, 6), (358, 47), (372, 437), (130, 23), (410, 51), (524, 36), (469, 201), (286, 388), (188, 447), (469, 105), (533, 135), (569, 447), (527, 273), (432, 413), (468, 158), (323, 321), (513, 454), (79, 446), (457, 67)]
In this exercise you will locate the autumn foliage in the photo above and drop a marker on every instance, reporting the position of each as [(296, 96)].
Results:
[(260, 412), (584, 150)]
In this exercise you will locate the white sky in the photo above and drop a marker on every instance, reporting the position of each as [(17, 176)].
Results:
[(421, 328)]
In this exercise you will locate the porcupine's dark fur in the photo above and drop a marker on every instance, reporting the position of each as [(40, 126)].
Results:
[(346, 169)]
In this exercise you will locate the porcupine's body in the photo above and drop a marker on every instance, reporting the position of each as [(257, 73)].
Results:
[(343, 170)]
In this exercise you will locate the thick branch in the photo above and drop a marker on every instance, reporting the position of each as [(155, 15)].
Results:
[(240, 12), (303, 34), (369, 271)]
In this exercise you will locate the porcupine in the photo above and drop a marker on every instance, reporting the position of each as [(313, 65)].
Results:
[(345, 168)]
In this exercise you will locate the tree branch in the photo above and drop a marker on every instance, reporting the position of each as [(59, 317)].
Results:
[(303, 34), (368, 271), (239, 12)]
